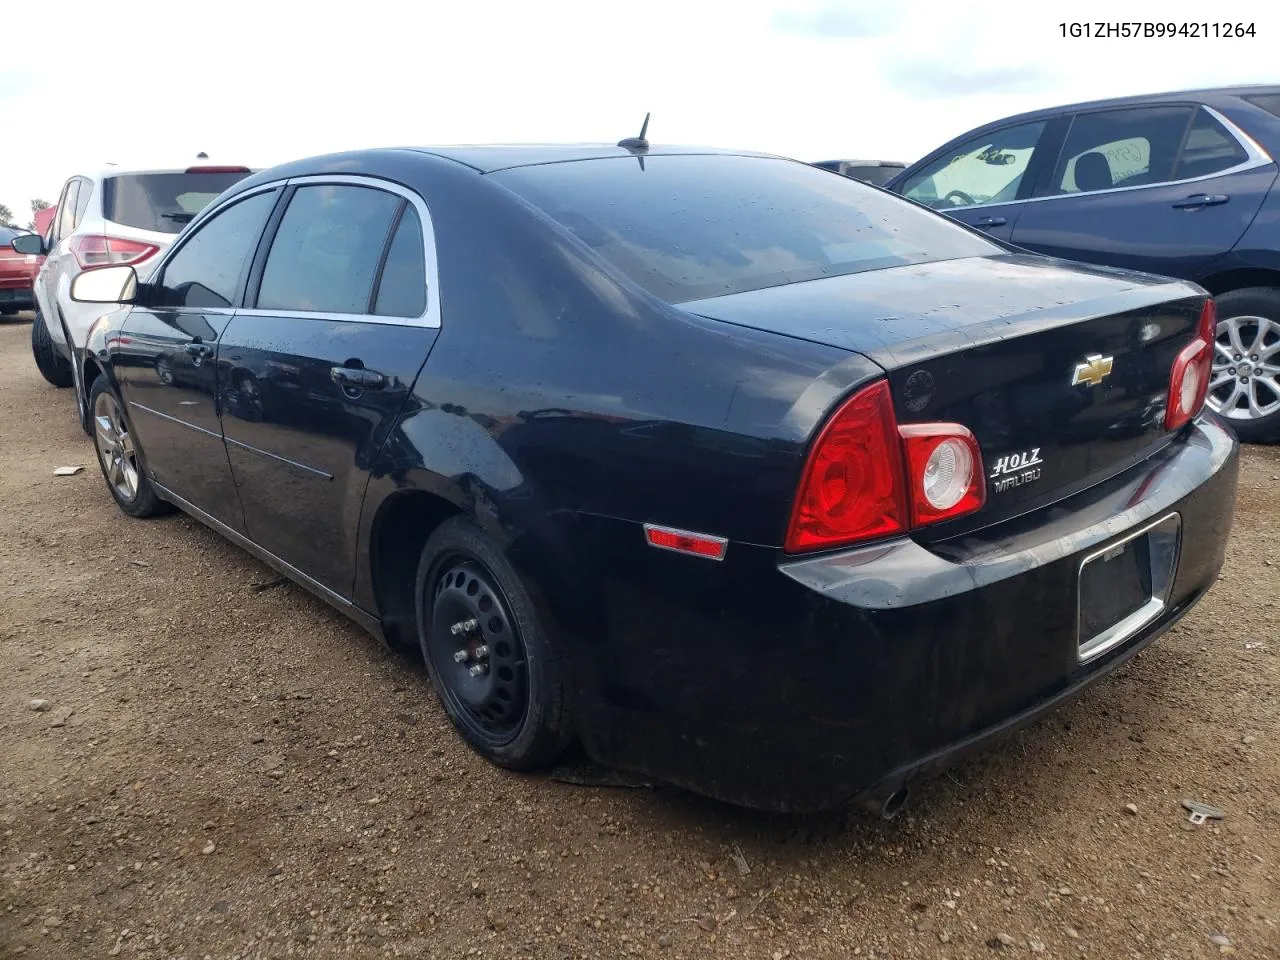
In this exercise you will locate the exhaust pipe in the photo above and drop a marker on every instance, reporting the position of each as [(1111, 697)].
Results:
[(886, 806)]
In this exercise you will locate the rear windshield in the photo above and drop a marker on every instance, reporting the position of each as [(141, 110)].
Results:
[(7, 234), (1269, 102), (690, 227), (163, 202)]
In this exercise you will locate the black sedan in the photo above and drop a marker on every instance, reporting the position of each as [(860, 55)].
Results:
[(757, 480)]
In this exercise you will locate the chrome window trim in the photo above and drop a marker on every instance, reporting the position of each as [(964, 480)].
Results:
[(1257, 157), (430, 317)]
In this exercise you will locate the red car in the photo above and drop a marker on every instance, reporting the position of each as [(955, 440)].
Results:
[(43, 218), (17, 274)]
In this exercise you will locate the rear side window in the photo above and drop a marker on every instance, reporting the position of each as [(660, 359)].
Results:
[(689, 227), (162, 202), (1120, 148), (1210, 148), (207, 269), (402, 288), (65, 221), (82, 203), (326, 252)]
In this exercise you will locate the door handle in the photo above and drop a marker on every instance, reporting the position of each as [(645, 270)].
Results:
[(1197, 200), (201, 351), (357, 378), (985, 222)]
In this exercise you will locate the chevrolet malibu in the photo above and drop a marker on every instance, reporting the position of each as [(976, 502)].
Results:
[(753, 479)]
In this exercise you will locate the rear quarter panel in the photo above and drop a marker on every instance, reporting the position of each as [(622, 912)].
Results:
[(557, 391)]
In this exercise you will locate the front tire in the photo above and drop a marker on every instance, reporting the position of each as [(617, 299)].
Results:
[(118, 455), (53, 366), (1245, 385), (489, 658)]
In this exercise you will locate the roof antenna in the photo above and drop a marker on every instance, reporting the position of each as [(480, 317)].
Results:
[(637, 144), (202, 155)]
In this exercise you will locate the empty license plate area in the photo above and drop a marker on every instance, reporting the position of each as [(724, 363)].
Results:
[(1124, 586)]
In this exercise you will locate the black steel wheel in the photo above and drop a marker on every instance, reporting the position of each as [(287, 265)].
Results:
[(477, 650), (490, 660)]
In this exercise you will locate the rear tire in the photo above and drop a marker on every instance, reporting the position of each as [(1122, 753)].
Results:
[(515, 711), (53, 366), (119, 457), (1246, 363)]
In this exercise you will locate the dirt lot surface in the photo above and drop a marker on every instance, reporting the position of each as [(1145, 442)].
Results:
[(229, 771)]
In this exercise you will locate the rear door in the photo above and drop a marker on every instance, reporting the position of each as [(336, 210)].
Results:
[(61, 264), (315, 371), (983, 181), (168, 350), (1165, 188)]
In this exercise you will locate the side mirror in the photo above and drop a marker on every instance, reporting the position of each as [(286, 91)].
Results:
[(105, 285), (29, 244)]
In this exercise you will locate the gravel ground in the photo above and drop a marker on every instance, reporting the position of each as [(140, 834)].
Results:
[(226, 768)]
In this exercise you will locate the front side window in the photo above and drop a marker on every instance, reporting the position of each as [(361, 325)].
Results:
[(326, 252), (207, 270), (1120, 148), (985, 169), (690, 227)]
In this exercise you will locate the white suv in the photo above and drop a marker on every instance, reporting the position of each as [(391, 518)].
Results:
[(115, 216)]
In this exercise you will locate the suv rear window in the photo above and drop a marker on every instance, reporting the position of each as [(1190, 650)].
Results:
[(163, 202), (689, 227)]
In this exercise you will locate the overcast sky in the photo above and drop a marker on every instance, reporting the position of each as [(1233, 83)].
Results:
[(247, 81)]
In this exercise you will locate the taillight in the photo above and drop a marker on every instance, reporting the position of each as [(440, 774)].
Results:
[(944, 464), (1189, 379), (852, 487), (95, 250), (866, 477)]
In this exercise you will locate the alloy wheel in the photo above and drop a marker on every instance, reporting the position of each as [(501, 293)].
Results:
[(1245, 384), (115, 447), (476, 649)]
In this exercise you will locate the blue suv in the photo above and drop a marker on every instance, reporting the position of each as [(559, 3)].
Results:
[(1182, 184)]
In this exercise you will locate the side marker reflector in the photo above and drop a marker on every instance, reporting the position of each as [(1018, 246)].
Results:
[(685, 541)]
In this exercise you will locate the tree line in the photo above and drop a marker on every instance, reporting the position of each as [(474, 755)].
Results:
[(7, 219)]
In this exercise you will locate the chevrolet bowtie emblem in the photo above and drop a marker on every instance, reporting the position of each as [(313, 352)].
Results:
[(1092, 372)]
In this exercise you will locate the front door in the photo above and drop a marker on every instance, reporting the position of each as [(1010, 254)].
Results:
[(1166, 189), (168, 357), (982, 181), (315, 372)]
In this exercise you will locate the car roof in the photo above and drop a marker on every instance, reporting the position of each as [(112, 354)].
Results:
[(118, 170), (488, 158), (868, 163), (1206, 94)]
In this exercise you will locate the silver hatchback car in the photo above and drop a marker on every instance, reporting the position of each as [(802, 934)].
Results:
[(114, 216)]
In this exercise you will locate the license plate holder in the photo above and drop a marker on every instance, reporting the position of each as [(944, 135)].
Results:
[(1124, 586)]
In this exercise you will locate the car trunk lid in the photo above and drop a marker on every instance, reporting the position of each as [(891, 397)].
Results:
[(1062, 373)]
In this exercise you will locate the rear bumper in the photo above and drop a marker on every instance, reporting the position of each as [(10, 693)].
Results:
[(804, 684)]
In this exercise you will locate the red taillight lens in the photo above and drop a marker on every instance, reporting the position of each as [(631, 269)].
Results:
[(866, 477), (1189, 379), (852, 487), (944, 465), (97, 251)]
